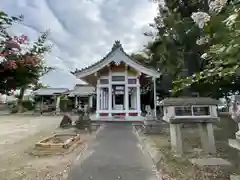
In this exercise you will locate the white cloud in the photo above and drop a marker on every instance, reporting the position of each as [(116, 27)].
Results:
[(83, 31)]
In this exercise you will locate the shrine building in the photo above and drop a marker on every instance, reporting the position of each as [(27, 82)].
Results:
[(118, 80)]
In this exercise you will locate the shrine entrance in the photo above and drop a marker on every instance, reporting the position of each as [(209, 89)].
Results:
[(118, 97)]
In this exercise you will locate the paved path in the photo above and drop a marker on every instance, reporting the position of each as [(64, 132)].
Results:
[(115, 154)]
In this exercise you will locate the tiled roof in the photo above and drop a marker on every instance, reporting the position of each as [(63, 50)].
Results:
[(82, 90), (50, 91), (116, 45), (185, 101)]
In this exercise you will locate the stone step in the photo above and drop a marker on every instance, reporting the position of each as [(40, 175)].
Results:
[(210, 162), (234, 177), (234, 143), (3, 106)]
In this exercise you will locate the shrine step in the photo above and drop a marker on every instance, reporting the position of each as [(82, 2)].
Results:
[(119, 118)]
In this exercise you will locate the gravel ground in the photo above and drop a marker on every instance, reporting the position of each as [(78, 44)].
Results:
[(18, 135)]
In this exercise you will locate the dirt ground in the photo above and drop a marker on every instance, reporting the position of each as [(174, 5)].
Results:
[(176, 168), (18, 135)]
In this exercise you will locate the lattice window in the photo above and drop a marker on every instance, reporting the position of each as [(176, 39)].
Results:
[(183, 111), (201, 111)]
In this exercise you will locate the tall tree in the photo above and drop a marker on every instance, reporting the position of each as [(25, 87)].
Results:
[(179, 44), (174, 50)]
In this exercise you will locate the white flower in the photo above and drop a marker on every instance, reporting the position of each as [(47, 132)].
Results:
[(217, 5), (231, 19), (204, 56), (200, 18), (202, 40)]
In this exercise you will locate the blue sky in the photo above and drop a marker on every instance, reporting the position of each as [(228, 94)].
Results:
[(83, 31)]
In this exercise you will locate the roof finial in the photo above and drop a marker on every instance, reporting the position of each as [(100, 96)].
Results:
[(116, 45)]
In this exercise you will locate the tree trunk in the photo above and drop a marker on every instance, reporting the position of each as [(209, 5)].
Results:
[(20, 99)]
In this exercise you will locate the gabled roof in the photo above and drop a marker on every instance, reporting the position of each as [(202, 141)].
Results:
[(117, 54), (188, 101)]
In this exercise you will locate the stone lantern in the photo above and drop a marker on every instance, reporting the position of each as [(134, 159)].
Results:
[(196, 110)]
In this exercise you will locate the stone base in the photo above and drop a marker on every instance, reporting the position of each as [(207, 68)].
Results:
[(47, 144), (234, 144), (210, 162)]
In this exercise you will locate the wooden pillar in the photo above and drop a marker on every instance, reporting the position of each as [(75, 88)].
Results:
[(76, 101), (138, 98), (101, 98), (126, 96), (154, 96), (98, 99), (109, 91), (90, 101)]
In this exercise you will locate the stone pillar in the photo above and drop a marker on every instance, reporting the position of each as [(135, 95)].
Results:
[(176, 138), (58, 104), (155, 97), (207, 137)]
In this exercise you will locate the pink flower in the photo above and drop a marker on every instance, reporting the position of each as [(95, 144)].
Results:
[(21, 39), (11, 64)]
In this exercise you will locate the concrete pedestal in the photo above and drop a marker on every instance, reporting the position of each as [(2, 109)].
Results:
[(176, 138), (234, 143), (207, 137), (206, 133)]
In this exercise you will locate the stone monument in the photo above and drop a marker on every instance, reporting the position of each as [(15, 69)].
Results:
[(58, 100), (66, 121), (149, 114), (234, 111), (151, 124), (84, 121), (200, 111)]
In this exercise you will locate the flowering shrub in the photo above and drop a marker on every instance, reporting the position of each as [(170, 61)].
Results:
[(21, 64), (221, 30), (200, 18)]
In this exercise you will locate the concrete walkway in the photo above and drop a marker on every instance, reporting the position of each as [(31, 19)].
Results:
[(115, 154)]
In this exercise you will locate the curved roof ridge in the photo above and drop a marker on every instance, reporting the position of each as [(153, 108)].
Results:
[(117, 45)]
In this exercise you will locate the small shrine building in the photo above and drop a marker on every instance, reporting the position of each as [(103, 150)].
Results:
[(118, 79)]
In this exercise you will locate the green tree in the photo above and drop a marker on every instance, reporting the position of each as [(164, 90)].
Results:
[(179, 44), (174, 50)]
